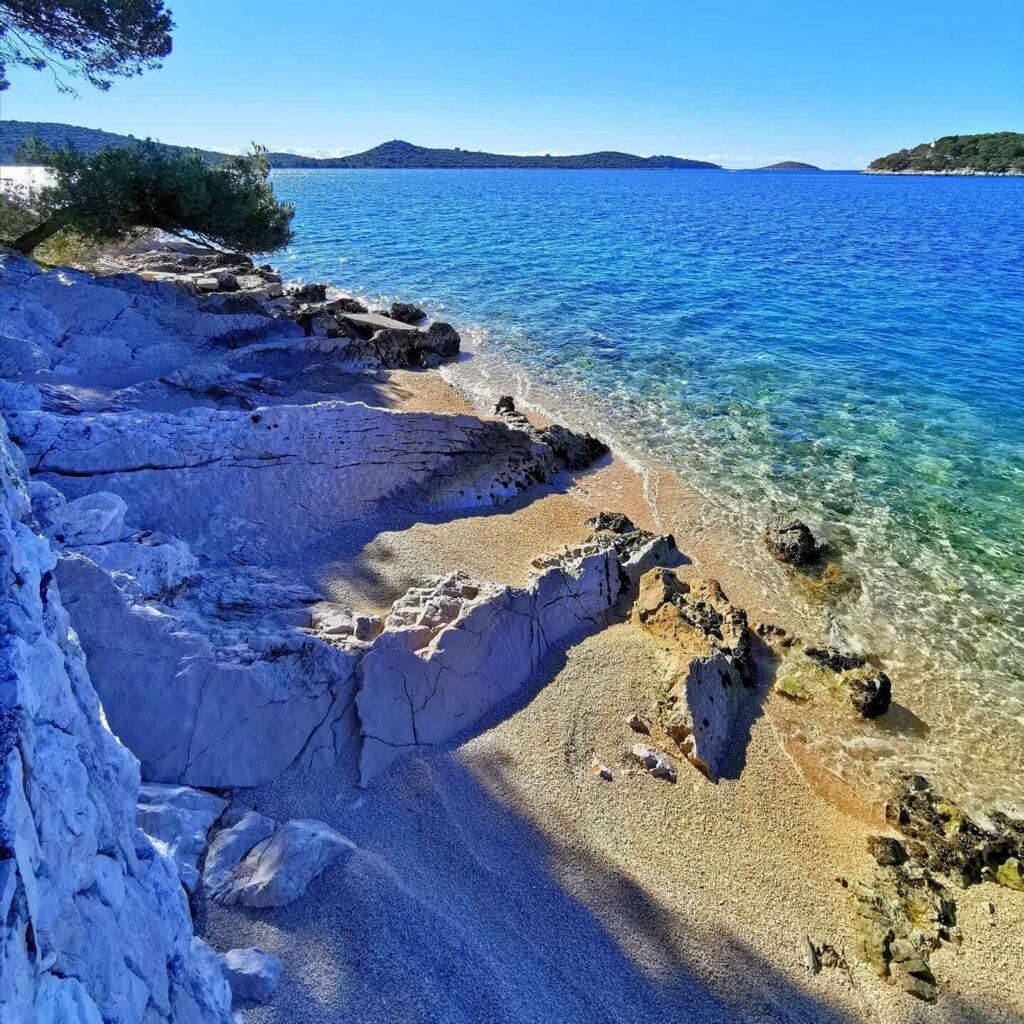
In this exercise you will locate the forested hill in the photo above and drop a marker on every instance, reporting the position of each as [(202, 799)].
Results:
[(389, 154), (993, 153)]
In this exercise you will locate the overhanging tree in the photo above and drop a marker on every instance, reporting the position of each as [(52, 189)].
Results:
[(106, 194), (97, 40)]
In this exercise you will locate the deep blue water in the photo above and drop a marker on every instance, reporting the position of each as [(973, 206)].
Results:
[(850, 346)]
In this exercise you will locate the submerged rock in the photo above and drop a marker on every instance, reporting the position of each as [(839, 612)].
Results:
[(869, 688), (791, 540)]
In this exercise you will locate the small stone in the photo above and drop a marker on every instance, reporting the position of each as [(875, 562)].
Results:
[(812, 961), (602, 771), (505, 404), (1009, 873), (659, 766), (638, 724), (252, 973)]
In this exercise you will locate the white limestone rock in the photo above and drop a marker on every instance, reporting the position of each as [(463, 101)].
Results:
[(67, 325), (96, 518), (452, 652), (215, 477), (277, 870), (94, 925), (242, 832), (253, 974), (215, 688), (177, 819)]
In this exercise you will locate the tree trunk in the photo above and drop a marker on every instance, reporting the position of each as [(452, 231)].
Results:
[(28, 241)]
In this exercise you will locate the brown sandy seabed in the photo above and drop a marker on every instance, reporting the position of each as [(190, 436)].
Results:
[(698, 896)]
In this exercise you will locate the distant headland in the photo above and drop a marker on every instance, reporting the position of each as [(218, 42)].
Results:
[(994, 153), (394, 154)]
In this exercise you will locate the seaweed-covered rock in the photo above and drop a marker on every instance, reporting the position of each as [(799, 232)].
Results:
[(870, 692), (791, 540)]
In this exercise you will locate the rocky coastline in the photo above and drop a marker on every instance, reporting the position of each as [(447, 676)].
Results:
[(192, 448)]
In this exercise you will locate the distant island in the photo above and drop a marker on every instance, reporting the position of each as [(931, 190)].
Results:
[(995, 153), (787, 165), (394, 154)]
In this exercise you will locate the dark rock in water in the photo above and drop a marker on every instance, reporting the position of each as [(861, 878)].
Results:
[(870, 692), (888, 852), (577, 451), (837, 661), (790, 540), (406, 312), (505, 404), (443, 339), (614, 522), (345, 305), (308, 292)]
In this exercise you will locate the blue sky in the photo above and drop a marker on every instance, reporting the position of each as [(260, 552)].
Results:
[(740, 82)]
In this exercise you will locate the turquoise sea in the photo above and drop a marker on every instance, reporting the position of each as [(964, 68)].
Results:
[(848, 346)]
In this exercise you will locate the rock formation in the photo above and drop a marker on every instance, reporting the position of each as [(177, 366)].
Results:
[(95, 923), (790, 540), (708, 646)]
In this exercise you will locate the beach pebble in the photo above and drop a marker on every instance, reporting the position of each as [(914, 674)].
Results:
[(654, 761)]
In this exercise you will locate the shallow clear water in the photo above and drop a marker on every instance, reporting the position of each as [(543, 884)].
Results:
[(848, 346)]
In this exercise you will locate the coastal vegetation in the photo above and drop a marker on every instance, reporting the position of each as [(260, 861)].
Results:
[(95, 40), (105, 195), (991, 153)]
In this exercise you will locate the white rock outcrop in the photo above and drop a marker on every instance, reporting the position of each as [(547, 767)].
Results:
[(451, 653), (94, 923)]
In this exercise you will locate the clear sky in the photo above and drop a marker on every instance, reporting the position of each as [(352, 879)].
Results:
[(740, 82)]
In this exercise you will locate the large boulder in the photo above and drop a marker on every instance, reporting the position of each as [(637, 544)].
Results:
[(791, 540), (277, 870), (243, 830), (708, 646)]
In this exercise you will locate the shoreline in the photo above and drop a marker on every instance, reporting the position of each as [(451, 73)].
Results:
[(493, 870)]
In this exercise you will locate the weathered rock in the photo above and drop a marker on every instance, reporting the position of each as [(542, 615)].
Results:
[(96, 518), (577, 451), (505, 404), (308, 292), (887, 851), (243, 830), (67, 325), (870, 692), (790, 540), (708, 644), (407, 313), (333, 620), (278, 870), (94, 924), (613, 522), (177, 819), (638, 724), (453, 651), (345, 305), (252, 974), (659, 766), (869, 688)]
